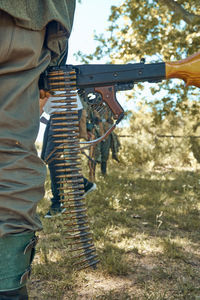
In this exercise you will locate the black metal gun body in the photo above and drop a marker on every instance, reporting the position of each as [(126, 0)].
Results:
[(105, 79), (105, 75)]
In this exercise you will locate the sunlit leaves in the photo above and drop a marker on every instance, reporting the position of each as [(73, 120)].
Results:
[(157, 31)]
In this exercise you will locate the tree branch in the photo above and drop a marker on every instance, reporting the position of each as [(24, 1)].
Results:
[(178, 9)]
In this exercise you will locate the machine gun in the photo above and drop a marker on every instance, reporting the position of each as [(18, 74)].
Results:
[(107, 79), (102, 81)]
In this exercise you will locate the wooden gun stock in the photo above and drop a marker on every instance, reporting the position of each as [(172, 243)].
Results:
[(187, 69)]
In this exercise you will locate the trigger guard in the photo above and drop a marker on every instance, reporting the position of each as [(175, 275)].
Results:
[(95, 98)]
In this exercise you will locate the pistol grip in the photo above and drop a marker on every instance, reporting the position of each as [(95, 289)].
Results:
[(109, 97)]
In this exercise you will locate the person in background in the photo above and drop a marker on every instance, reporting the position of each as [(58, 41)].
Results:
[(97, 126), (47, 147), (33, 35)]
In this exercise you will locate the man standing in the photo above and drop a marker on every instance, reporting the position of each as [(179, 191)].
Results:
[(33, 35)]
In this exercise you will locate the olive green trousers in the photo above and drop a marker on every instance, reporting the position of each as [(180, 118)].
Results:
[(22, 173)]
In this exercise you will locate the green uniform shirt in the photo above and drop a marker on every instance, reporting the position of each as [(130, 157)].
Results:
[(36, 14)]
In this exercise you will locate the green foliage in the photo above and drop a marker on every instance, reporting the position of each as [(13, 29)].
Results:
[(148, 28), (159, 31), (155, 141)]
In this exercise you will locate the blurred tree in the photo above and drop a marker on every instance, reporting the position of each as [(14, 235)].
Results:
[(158, 30)]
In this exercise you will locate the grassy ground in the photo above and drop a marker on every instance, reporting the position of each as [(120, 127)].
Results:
[(145, 225)]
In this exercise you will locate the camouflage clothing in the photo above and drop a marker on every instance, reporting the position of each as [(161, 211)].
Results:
[(99, 125)]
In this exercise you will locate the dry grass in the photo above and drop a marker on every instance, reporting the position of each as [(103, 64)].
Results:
[(145, 224)]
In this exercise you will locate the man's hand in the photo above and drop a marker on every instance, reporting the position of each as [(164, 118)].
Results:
[(44, 96)]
